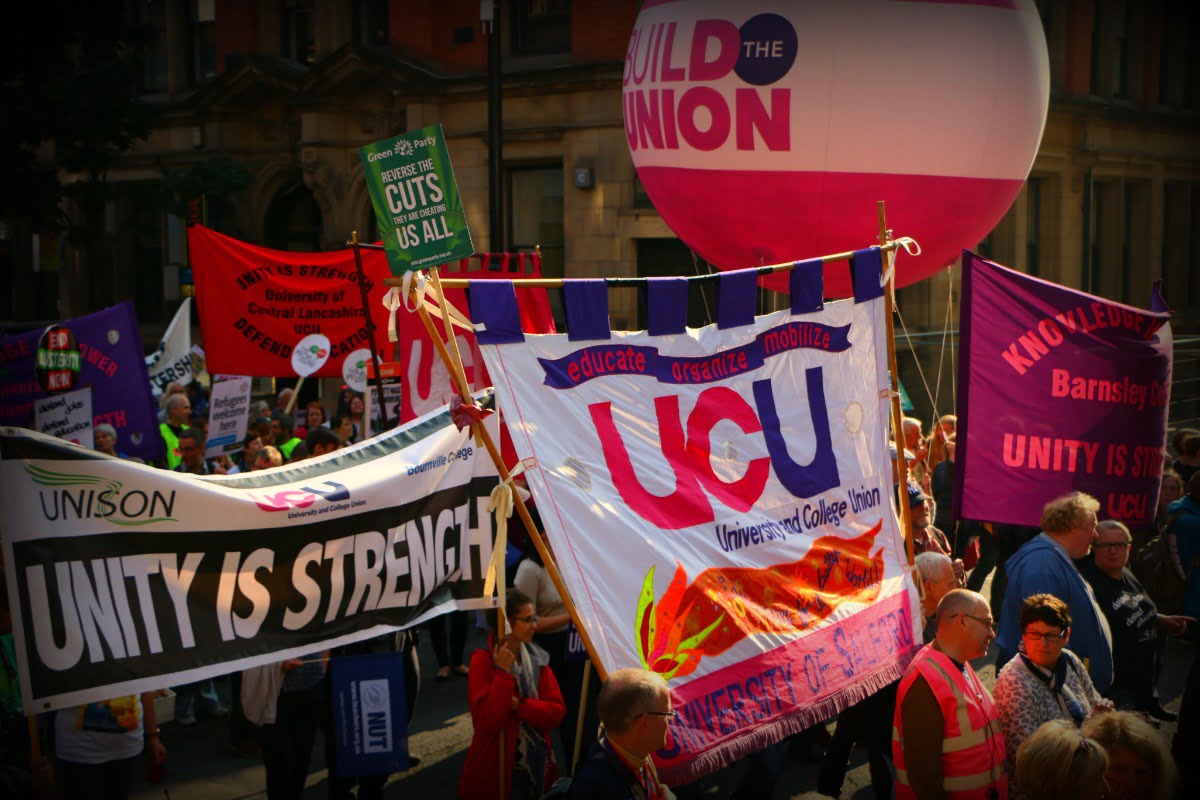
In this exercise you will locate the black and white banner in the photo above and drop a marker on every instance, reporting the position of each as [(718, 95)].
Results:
[(123, 578)]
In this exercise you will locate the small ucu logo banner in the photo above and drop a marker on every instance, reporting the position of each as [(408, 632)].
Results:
[(300, 498)]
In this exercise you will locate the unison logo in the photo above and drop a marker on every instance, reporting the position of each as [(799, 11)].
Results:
[(73, 496)]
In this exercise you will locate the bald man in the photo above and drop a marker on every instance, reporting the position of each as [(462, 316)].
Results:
[(946, 733)]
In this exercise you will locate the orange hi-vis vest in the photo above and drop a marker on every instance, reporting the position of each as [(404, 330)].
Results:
[(972, 741)]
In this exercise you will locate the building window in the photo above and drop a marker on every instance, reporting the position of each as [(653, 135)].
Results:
[(371, 22), (534, 211), (1033, 225), (1181, 245), (541, 27), (294, 221), (299, 43), (153, 16), (1110, 48), (1179, 58), (202, 37), (535, 215), (1119, 236)]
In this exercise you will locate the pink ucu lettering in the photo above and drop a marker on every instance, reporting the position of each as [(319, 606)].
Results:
[(689, 505)]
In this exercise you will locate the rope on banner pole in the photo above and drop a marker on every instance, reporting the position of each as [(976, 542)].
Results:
[(897, 427), (534, 534), (906, 243)]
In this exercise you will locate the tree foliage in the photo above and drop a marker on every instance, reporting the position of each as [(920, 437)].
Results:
[(70, 75)]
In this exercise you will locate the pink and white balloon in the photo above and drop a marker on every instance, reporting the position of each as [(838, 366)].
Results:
[(765, 130)]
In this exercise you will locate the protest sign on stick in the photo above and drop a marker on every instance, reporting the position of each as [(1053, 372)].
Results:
[(67, 416), (228, 414), (416, 200)]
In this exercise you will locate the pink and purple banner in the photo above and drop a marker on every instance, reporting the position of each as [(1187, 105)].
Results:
[(1060, 391)]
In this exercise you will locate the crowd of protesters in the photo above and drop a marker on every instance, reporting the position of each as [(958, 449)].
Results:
[(1074, 710)]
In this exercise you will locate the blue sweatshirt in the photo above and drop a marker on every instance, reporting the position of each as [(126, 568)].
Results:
[(1041, 566)]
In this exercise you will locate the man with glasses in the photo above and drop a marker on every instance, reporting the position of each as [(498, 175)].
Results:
[(635, 711), (1133, 619), (1046, 565), (946, 739)]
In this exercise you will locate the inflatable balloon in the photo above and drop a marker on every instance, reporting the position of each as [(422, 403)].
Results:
[(765, 131)]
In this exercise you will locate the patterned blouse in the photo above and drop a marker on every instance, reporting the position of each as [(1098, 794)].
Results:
[(1025, 700)]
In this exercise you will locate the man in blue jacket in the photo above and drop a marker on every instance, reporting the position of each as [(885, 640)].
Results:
[(1045, 564)]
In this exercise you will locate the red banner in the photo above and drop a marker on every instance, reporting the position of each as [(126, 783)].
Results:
[(255, 304), (426, 384)]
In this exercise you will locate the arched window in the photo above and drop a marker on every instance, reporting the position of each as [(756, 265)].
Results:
[(294, 221)]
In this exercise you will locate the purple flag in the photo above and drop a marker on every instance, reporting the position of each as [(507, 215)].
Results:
[(1059, 391), (111, 361)]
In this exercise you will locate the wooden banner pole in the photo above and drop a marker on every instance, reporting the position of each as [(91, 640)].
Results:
[(377, 379), (897, 414), (291, 403), (534, 535), (583, 699)]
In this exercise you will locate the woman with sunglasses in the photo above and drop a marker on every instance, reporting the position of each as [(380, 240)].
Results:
[(1044, 682), (512, 691)]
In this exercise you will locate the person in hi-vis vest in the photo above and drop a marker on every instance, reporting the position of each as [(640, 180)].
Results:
[(179, 408), (946, 737)]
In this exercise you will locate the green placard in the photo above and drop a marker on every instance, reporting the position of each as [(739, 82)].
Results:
[(416, 200)]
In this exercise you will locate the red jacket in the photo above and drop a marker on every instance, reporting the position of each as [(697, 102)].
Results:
[(490, 692)]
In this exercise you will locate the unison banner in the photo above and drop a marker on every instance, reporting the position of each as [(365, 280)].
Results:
[(110, 361), (1059, 391), (123, 578), (719, 503)]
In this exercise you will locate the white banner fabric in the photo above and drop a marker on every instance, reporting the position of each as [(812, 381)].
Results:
[(719, 504), (172, 361), (123, 578)]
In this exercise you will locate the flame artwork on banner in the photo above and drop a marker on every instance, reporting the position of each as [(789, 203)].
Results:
[(734, 111)]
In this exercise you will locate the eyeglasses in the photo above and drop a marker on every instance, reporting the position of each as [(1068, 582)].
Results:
[(530, 620), (668, 714), (1037, 636), (990, 624), (1111, 546)]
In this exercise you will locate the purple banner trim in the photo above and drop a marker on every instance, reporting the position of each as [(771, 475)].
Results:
[(1060, 391), (866, 270), (737, 295), (494, 303), (666, 306), (586, 306), (605, 360), (806, 285)]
